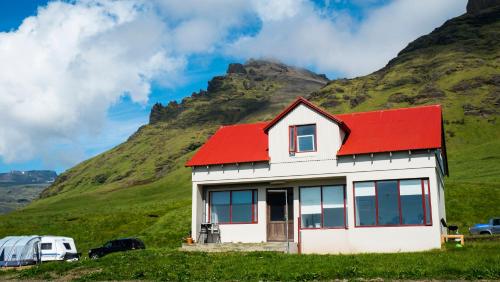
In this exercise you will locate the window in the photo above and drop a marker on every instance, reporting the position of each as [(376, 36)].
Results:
[(302, 138), (237, 206), (322, 207), (365, 203), (333, 206), (387, 202), (46, 246), (411, 201), (67, 246), (392, 203), (310, 207)]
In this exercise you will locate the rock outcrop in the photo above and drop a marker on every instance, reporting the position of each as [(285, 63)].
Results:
[(476, 6)]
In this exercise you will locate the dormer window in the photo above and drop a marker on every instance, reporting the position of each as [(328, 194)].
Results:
[(302, 138)]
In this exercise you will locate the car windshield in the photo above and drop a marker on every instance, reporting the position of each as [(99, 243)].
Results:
[(107, 245)]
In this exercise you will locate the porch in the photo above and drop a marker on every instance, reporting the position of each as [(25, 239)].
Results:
[(262, 212), (280, 247)]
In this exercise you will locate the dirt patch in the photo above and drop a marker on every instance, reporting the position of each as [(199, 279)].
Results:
[(401, 98), (358, 99), (476, 82), (331, 103), (472, 110)]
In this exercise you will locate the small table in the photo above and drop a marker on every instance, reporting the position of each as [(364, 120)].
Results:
[(444, 238)]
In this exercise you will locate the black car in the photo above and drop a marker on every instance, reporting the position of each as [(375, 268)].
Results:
[(118, 245)]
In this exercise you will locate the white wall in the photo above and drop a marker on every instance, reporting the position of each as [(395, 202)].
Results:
[(313, 168), (350, 240), (328, 136), (377, 239)]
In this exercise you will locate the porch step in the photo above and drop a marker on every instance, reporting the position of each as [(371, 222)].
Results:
[(280, 247)]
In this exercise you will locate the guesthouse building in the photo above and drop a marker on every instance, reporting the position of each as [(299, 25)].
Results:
[(326, 183)]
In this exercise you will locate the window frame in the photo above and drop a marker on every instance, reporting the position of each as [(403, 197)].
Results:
[(295, 139), (255, 211), (45, 249), (425, 222), (322, 212), (67, 246)]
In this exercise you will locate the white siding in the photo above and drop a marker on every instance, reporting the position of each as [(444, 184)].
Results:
[(328, 136)]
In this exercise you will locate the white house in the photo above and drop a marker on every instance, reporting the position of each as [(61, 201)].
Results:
[(348, 183)]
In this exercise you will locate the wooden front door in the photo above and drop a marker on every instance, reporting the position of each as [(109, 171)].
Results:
[(276, 214)]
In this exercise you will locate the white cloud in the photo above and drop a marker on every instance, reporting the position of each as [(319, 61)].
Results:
[(62, 69), (307, 36)]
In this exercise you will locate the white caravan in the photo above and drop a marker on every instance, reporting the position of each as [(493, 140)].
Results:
[(58, 248)]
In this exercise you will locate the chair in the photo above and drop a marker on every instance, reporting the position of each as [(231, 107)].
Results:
[(453, 229), (215, 230), (203, 234)]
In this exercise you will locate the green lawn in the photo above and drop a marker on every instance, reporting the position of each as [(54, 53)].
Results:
[(477, 260)]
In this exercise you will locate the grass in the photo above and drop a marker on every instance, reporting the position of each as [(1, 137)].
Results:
[(140, 188), (477, 260)]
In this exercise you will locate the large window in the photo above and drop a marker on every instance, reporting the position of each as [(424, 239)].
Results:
[(392, 202), (238, 206), (302, 138), (322, 207)]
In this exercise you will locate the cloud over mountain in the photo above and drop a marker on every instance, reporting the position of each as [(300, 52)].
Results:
[(63, 68)]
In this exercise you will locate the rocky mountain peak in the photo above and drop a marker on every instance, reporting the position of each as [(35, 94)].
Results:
[(244, 89), (477, 6)]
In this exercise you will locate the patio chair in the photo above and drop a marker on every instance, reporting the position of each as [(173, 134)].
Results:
[(215, 232), (203, 234), (451, 233)]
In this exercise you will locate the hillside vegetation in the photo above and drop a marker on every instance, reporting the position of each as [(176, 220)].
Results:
[(141, 187)]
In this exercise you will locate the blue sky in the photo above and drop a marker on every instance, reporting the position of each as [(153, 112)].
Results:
[(81, 76)]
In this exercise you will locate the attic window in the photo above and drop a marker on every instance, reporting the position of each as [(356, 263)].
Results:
[(302, 138)]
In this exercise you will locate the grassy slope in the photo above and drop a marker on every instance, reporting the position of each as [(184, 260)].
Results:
[(141, 188)]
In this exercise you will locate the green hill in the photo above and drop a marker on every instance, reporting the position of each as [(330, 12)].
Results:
[(141, 188)]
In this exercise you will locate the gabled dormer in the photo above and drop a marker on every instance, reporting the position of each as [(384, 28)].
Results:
[(303, 131)]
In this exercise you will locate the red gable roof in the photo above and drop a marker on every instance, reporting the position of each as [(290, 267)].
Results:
[(241, 143), (297, 102), (393, 130), (368, 132)]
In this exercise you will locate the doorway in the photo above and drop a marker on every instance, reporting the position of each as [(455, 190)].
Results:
[(277, 224)]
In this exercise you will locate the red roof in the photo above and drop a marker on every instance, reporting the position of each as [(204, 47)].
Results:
[(393, 130), (241, 143), (368, 132)]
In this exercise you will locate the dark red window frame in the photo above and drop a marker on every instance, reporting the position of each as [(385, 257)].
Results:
[(292, 129), (255, 218), (422, 180), (322, 214)]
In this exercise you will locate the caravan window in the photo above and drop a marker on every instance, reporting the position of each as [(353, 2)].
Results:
[(67, 246), (46, 246)]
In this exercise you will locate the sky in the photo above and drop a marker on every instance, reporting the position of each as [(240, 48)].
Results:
[(79, 77)]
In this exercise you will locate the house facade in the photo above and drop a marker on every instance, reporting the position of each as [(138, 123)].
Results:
[(348, 183)]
